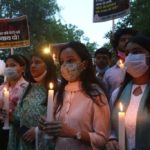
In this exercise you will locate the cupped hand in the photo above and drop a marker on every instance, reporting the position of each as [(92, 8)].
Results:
[(112, 145), (29, 135), (52, 128), (56, 128), (3, 115)]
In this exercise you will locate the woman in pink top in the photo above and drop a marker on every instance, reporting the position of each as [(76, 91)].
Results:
[(16, 85), (82, 116)]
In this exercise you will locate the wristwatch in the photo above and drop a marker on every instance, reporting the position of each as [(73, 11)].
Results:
[(78, 135)]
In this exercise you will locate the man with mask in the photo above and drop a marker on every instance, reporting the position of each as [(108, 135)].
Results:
[(114, 76)]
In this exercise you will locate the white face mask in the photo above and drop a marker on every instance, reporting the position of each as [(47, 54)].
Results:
[(11, 73), (136, 64), (70, 71)]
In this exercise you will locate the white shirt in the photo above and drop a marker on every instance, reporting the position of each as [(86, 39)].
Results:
[(113, 77), (131, 114)]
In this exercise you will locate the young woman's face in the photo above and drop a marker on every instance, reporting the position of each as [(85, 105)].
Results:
[(137, 61), (37, 67), (10, 62), (136, 49), (69, 55), (71, 65), (133, 48)]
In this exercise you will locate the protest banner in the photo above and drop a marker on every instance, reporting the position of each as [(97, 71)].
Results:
[(105, 10), (14, 33)]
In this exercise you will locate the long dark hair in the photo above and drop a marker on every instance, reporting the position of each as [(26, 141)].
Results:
[(87, 76), (51, 75), (143, 41), (128, 78)]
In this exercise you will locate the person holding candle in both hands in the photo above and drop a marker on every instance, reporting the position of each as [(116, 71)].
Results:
[(15, 86), (34, 102), (81, 111), (134, 95)]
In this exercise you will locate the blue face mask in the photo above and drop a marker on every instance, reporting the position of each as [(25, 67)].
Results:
[(136, 64), (11, 73)]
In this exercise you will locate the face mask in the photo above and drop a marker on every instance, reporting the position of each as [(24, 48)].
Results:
[(11, 73), (136, 64), (70, 71), (40, 78)]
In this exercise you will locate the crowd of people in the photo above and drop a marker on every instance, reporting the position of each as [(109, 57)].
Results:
[(86, 97)]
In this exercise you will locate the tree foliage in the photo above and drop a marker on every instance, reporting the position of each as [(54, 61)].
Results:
[(138, 18), (43, 26)]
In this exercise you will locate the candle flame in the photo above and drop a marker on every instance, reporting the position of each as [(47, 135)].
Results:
[(54, 57), (5, 90), (51, 86), (121, 64), (121, 106)]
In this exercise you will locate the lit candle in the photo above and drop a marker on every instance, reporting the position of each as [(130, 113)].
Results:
[(6, 108), (121, 64), (122, 67), (50, 104), (121, 118)]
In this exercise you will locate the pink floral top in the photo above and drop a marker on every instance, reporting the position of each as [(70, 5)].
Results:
[(80, 112), (15, 93)]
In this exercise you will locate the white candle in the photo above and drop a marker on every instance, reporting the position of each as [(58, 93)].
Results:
[(50, 104), (36, 138), (121, 118), (122, 67), (6, 108), (54, 59)]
